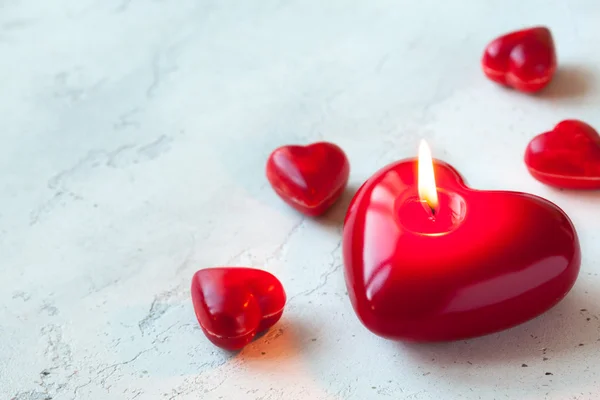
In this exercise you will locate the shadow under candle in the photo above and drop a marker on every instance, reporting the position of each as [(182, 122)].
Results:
[(334, 217), (570, 82)]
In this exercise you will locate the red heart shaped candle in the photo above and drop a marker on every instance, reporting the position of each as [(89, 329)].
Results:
[(233, 304), (524, 60), (566, 157), (480, 262), (309, 178)]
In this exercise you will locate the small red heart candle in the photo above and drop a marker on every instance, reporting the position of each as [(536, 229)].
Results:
[(566, 157), (427, 263), (309, 178), (524, 60), (233, 304)]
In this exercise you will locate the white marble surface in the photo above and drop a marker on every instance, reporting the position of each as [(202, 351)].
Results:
[(134, 135)]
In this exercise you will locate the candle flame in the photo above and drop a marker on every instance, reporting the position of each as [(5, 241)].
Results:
[(426, 178)]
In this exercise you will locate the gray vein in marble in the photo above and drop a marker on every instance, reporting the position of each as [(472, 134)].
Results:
[(237, 256), (159, 338), (160, 305), (188, 258), (121, 157), (95, 288), (57, 350), (50, 309), (16, 24), (382, 62), (198, 384), (114, 368), (32, 395), (53, 380), (123, 6), (79, 387), (126, 120), (21, 295), (334, 266), (162, 66), (156, 148), (74, 86), (279, 250), (137, 394), (322, 281)]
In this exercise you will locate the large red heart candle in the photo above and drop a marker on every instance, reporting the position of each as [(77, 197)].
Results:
[(524, 60), (568, 156), (233, 304), (427, 263)]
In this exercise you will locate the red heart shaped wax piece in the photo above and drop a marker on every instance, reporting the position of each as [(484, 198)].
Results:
[(486, 261), (567, 157), (309, 178), (524, 60), (233, 304)]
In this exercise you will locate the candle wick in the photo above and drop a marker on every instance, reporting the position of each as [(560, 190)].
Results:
[(432, 210)]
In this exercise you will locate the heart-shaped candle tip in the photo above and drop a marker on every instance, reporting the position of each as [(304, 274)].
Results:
[(568, 156), (233, 304), (309, 178), (524, 60)]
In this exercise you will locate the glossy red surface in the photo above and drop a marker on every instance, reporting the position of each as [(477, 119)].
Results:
[(309, 178), (566, 157), (524, 60), (489, 260), (233, 304)]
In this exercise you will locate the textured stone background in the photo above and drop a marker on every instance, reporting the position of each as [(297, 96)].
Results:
[(133, 140)]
